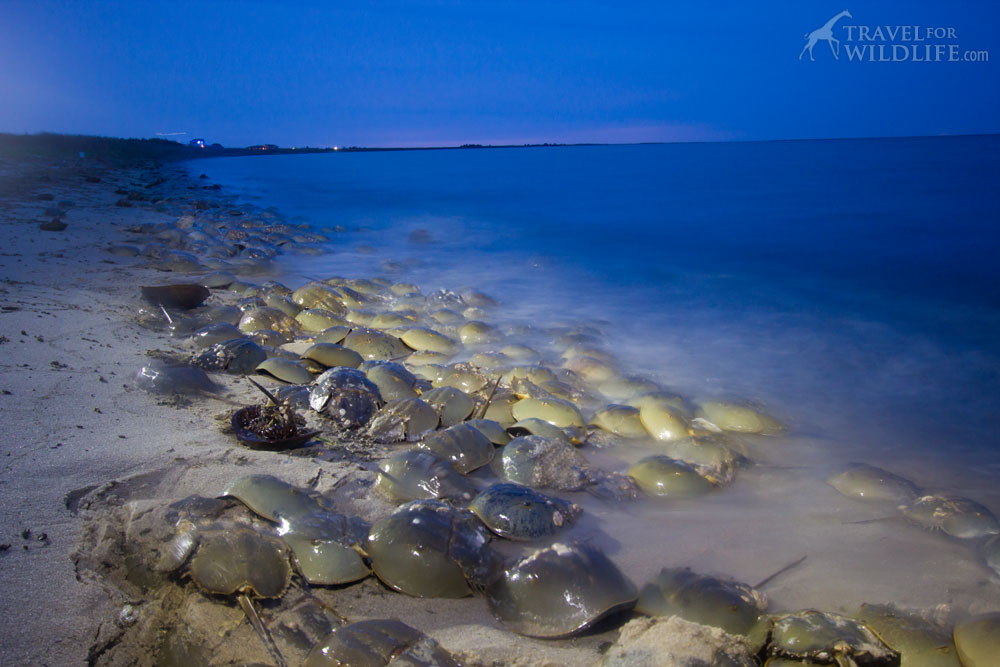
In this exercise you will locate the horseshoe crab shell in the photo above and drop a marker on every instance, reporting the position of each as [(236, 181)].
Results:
[(240, 560), (266, 317), (918, 641), (520, 513), (665, 477), (978, 640), (238, 355), (452, 404), (540, 463), (346, 396), (372, 344), (394, 382), (559, 591), (332, 355), (621, 420), (739, 418), (428, 549), (420, 475), (407, 419), (378, 643), (285, 370), (464, 446), (954, 515), (158, 378), (493, 431), (816, 635), (556, 411), (272, 498), (182, 297), (325, 547), (865, 482), (214, 333), (735, 607)]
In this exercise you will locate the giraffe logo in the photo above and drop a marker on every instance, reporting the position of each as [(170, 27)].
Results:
[(824, 32)]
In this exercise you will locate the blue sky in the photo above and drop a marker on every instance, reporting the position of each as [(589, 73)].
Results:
[(441, 73)]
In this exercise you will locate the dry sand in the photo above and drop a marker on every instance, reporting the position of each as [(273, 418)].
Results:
[(83, 449)]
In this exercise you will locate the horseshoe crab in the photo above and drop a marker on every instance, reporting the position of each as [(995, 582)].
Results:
[(158, 378), (372, 344), (464, 446), (285, 370), (214, 333), (477, 333), (559, 591), (493, 431), (918, 641), (665, 477), (236, 560), (318, 295), (663, 420), (556, 411), (378, 643), (274, 426), (621, 420), (453, 405), (992, 554), (548, 463), (182, 297), (326, 547), (978, 640), (739, 418), (427, 548), (272, 498), (420, 338), (238, 355), (394, 382), (717, 457), (829, 638), (953, 515), (335, 334), (537, 427), (865, 482), (408, 419), (346, 396), (332, 355), (266, 317), (463, 379), (520, 513), (318, 319), (421, 475), (735, 607)]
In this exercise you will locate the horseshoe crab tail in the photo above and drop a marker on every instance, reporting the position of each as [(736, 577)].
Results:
[(258, 625), (768, 579)]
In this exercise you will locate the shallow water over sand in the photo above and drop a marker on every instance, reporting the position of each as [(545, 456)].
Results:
[(848, 286)]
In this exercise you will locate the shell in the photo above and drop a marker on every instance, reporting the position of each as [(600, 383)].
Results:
[(331, 355), (735, 607), (464, 446), (663, 420), (426, 549), (408, 419), (621, 420), (865, 482), (268, 318), (956, 516), (821, 636), (420, 338), (918, 641), (237, 355), (978, 640), (285, 370), (557, 412), (318, 319), (559, 591), (214, 333), (325, 548), (394, 382), (182, 297), (372, 344), (520, 513), (346, 396), (452, 404), (493, 431), (664, 477), (739, 418), (240, 560), (272, 498), (157, 378), (378, 643), (421, 475), (541, 463)]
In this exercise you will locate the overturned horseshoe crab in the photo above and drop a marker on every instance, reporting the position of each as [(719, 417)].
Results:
[(274, 426)]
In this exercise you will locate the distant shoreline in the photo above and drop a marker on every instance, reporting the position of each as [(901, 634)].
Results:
[(114, 149)]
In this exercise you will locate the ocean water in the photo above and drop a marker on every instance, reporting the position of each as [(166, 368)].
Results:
[(851, 287)]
